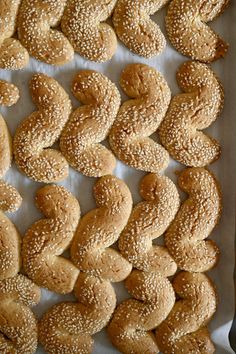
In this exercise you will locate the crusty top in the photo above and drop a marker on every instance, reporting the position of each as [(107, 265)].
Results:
[(197, 217), (37, 133), (136, 30), (36, 29), (90, 124), (140, 117), (83, 24), (190, 112), (188, 32)]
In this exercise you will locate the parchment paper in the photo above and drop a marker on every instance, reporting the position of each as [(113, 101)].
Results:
[(225, 169)]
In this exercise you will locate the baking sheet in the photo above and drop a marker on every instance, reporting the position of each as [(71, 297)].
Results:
[(225, 169)]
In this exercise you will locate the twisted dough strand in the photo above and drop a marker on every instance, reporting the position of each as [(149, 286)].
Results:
[(83, 24), (13, 55), (68, 327), (139, 118), (90, 124), (184, 330), (188, 32), (190, 112), (132, 323), (36, 22), (41, 130), (48, 238), (197, 217), (136, 30)]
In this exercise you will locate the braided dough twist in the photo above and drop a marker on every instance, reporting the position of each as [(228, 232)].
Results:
[(36, 22), (90, 124), (48, 238), (133, 321), (140, 117), (188, 32), (197, 217), (83, 24), (136, 30), (190, 112), (184, 330), (68, 327), (13, 55), (41, 130)]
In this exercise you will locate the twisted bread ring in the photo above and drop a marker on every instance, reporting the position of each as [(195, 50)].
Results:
[(187, 30), (190, 112), (67, 327), (184, 330), (89, 124), (36, 22), (132, 323), (13, 55), (48, 238), (18, 324), (140, 117), (136, 30), (41, 130), (83, 24), (197, 217)]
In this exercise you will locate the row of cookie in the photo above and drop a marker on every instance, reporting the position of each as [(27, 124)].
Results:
[(84, 31), (67, 327), (178, 121)]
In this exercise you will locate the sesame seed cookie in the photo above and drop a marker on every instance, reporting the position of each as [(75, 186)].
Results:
[(140, 117), (68, 327), (135, 28), (197, 217), (130, 329), (184, 330), (38, 132), (37, 22), (84, 26), (189, 113), (90, 124), (187, 29), (48, 238), (13, 55)]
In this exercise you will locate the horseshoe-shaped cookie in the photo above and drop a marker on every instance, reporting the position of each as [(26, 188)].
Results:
[(37, 133), (189, 113), (36, 29), (135, 28), (187, 29), (197, 217), (48, 238), (13, 55), (83, 24), (139, 118), (90, 124)]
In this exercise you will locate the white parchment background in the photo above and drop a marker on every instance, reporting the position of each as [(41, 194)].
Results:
[(225, 169)]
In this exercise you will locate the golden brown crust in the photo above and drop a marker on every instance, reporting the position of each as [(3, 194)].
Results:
[(135, 28), (132, 323), (197, 217), (13, 55), (18, 324), (184, 329), (48, 238), (37, 133), (100, 228), (90, 124), (139, 118), (36, 29), (189, 113), (83, 24), (9, 93), (67, 327), (188, 32)]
